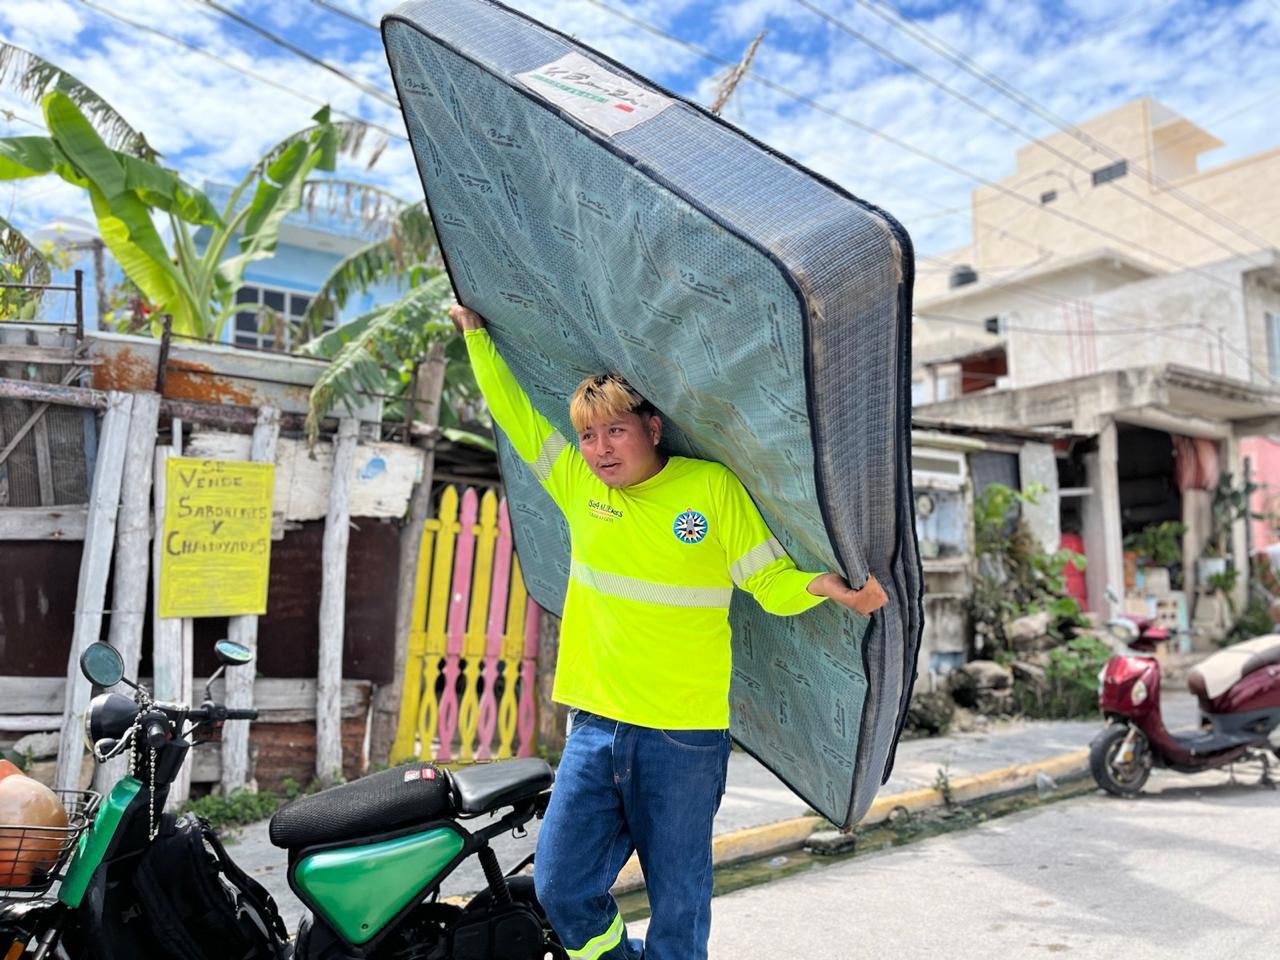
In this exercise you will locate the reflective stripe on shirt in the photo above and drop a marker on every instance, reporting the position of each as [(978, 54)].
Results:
[(667, 594)]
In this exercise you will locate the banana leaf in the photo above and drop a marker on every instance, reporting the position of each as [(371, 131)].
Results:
[(124, 218)]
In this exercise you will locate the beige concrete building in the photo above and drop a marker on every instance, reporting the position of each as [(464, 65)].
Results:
[(1116, 290)]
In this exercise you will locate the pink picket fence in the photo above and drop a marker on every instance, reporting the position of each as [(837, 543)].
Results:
[(470, 676)]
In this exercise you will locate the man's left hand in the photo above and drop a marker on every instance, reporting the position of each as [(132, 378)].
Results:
[(833, 586)]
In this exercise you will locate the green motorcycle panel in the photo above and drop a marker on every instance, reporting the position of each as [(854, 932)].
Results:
[(95, 841), (358, 890)]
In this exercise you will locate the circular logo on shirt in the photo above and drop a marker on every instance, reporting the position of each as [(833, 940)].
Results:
[(690, 527)]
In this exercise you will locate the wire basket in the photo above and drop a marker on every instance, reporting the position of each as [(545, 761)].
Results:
[(32, 858)]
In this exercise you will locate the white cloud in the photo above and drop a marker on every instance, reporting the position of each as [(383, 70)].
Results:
[(1202, 59)]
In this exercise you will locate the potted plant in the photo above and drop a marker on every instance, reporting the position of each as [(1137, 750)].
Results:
[(1158, 545)]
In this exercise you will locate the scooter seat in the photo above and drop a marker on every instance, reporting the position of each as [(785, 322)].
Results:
[(489, 786), (400, 797), (1222, 671)]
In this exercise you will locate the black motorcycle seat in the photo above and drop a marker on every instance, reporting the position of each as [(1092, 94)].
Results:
[(401, 797), (1219, 673), (488, 786)]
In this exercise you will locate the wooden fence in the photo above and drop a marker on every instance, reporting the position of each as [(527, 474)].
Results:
[(470, 676)]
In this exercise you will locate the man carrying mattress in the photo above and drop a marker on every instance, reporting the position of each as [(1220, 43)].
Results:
[(658, 544)]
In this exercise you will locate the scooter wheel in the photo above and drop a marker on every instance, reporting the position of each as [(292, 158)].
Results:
[(1121, 778)]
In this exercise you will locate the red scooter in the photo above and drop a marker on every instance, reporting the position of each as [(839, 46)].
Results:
[(1239, 693)]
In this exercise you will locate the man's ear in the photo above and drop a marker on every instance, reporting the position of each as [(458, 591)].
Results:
[(655, 428)]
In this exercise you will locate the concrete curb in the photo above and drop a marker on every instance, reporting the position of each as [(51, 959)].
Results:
[(790, 834)]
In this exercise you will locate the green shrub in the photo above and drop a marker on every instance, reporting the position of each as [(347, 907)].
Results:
[(1070, 688)]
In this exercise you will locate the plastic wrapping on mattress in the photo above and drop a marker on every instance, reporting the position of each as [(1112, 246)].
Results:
[(601, 223)]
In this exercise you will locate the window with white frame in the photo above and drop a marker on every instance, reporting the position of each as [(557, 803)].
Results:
[(265, 317)]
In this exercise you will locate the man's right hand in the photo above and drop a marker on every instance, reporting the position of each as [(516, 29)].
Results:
[(464, 319)]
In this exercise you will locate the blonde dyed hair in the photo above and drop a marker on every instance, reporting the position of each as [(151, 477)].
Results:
[(605, 397)]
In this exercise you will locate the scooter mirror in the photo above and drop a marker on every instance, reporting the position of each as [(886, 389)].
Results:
[(101, 664), (232, 654)]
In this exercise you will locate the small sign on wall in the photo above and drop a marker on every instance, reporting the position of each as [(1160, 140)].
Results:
[(216, 547)]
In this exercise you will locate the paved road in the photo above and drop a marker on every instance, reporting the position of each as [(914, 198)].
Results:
[(1190, 871), (755, 796)]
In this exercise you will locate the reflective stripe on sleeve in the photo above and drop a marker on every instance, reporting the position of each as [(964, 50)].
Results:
[(755, 560), (667, 594), (551, 449)]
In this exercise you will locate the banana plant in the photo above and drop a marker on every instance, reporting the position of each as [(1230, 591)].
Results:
[(123, 191), (194, 284)]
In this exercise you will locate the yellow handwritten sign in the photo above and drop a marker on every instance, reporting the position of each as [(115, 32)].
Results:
[(217, 537)]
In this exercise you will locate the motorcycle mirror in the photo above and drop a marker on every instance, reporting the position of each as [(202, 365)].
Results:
[(1112, 595), (102, 664), (232, 654)]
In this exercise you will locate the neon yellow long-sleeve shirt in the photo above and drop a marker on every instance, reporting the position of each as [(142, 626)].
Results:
[(645, 633)]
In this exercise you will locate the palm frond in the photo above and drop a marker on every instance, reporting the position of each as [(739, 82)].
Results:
[(369, 350), (376, 209), (411, 243), (353, 138), (16, 249), (31, 76)]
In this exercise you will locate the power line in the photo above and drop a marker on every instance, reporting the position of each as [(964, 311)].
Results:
[(904, 145), (1160, 332), (231, 65), (705, 54), (356, 18), (374, 91), (1007, 124), (353, 17), (964, 62)]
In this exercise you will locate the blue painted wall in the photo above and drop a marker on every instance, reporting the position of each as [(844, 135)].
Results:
[(293, 267)]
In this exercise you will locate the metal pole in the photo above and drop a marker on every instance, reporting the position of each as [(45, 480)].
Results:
[(79, 306), (162, 364), (100, 280)]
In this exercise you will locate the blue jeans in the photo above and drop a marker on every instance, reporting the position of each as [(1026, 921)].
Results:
[(621, 788)]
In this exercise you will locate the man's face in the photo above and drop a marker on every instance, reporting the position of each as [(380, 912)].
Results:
[(623, 450)]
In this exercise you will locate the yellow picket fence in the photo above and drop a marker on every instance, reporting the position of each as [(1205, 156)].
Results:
[(471, 673)]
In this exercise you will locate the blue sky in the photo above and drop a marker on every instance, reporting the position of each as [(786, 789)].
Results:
[(1214, 62)]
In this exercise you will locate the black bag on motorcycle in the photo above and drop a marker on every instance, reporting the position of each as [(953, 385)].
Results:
[(200, 905)]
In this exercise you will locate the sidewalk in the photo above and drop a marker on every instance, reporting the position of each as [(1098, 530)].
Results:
[(756, 798)]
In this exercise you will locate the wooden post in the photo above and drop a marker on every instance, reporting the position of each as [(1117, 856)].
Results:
[(333, 589), (133, 536), (429, 385), (235, 736), (95, 564), (552, 718), (170, 636)]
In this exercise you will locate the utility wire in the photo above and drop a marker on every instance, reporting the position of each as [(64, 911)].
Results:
[(964, 62), (231, 65), (1009, 125), (708, 55), (904, 145), (340, 11), (374, 91)]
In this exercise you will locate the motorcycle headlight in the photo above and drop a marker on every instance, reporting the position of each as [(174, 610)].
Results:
[(1123, 630), (1139, 692), (110, 716)]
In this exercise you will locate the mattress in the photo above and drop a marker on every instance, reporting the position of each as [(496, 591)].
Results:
[(599, 222)]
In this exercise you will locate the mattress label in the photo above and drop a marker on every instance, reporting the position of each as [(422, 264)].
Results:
[(584, 89)]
